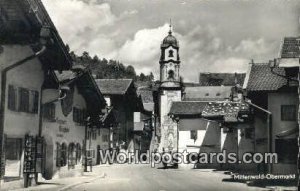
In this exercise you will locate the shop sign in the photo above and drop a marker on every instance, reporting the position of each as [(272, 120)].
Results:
[(29, 154), (63, 129)]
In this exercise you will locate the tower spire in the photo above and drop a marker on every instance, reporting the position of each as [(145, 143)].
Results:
[(170, 25)]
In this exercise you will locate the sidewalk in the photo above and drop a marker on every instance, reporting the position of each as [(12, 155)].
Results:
[(59, 184)]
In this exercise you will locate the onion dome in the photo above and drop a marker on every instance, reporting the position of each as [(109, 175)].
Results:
[(169, 40)]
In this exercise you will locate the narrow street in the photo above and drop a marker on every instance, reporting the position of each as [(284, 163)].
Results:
[(143, 177)]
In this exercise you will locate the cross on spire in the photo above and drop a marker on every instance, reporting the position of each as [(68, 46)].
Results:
[(170, 25)]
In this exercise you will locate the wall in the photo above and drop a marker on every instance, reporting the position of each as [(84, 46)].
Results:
[(71, 133), (30, 76), (275, 100), (168, 127), (208, 138)]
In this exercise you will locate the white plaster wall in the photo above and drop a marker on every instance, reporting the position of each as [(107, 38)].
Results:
[(52, 134), (29, 75), (166, 99), (275, 100)]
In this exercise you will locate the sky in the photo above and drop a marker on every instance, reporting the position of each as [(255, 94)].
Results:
[(214, 36)]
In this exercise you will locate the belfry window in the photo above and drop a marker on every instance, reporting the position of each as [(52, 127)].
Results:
[(171, 75), (171, 53)]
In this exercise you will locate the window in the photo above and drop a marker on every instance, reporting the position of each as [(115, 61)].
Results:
[(288, 113), (171, 53), (49, 111), (193, 134), (71, 155), (58, 155), (12, 98), (171, 74), (105, 138), (35, 101), (13, 149), (287, 150), (63, 154), (78, 153), (137, 117), (24, 100), (79, 116), (94, 135)]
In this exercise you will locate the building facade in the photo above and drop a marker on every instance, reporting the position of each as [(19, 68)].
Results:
[(27, 58)]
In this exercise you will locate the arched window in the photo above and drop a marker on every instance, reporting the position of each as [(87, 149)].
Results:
[(58, 155), (171, 75), (78, 153), (63, 157), (71, 155), (171, 53)]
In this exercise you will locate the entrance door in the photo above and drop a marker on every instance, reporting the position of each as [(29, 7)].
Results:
[(13, 153)]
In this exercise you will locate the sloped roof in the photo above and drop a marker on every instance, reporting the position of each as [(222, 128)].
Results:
[(187, 107), (219, 79), (207, 93), (215, 109), (262, 79), (290, 47), (114, 86), (23, 22), (146, 94)]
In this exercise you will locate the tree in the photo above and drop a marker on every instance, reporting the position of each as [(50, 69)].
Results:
[(142, 77)]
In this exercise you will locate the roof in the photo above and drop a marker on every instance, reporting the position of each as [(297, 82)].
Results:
[(22, 20), (169, 40), (114, 86), (290, 47), (219, 79), (207, 93), (187, 107), (146, 94), (216, 109), (260, 78)]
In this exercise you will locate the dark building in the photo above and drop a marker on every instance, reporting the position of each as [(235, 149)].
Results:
[(121, 96)]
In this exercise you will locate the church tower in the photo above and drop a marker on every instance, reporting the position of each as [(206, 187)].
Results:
[(169, 90)]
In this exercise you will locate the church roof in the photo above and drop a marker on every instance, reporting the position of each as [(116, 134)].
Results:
[(219, 79), (169, 40), (207, 93)]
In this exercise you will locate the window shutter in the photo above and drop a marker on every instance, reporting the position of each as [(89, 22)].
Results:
[(24, 100), (11, 98), (35, 101), (58, 155)]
